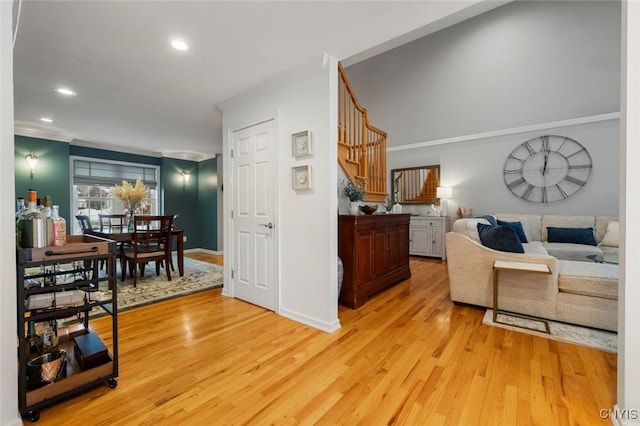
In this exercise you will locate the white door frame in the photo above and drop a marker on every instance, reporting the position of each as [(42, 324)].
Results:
[(229, 245)]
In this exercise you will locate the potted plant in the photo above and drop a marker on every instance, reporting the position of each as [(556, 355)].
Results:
[(355, 194)]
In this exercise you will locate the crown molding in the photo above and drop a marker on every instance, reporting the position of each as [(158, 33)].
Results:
[(510, 131)]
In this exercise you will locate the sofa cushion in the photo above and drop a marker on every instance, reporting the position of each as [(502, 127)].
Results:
[(571, 235), (535, 248), (560, 221), (530, 223), (602, 222), (469, 227), (501, 237), (517, 226), (588, 279), (569, 251), (610, 238)]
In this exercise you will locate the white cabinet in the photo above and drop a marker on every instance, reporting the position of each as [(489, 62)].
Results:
[(426, 236)]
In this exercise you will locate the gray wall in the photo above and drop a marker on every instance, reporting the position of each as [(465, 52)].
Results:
[(525, 64)]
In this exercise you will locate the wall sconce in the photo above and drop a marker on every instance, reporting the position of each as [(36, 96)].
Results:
[(185, 176), (444, 193), (32, 160)]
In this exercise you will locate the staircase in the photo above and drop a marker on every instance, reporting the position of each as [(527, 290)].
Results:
[(362, 147)]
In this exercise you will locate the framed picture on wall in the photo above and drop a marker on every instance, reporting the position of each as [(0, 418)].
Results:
[(301, 177), (301, 143)]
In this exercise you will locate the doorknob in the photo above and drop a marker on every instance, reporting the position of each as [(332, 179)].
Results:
[(267, 225)]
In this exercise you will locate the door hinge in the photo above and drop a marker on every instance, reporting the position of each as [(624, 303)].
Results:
[(232, 273), (231, 153), (231, 214)]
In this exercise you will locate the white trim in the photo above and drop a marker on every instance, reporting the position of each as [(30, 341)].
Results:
[(203, 250), (19, 130), (73, 199), (510, 131), (328, 327)]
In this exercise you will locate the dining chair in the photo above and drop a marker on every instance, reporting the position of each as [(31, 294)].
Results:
[(113, 222), (86, 227), (85, 223), (151, 241), (173, 226)]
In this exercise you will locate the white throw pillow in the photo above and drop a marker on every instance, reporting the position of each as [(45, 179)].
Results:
[(610, 238)]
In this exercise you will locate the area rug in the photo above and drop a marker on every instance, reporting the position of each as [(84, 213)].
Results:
[(152, 288), (599, 339), (198, 276)]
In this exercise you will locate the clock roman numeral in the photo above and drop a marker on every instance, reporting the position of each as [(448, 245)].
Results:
[(516, 158), (575, 180), (516, 183), (563, 142), (564, 194), (513, 172), (527, 192), (576, 153), (545, 143), (544, 194), (581, 166), (529, 148)]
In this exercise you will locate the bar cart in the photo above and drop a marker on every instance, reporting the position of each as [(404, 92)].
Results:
[(65, 287)]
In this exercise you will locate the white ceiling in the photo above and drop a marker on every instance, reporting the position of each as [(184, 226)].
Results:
[(137, 94)]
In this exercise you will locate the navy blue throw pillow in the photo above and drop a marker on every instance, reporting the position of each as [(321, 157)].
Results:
[(517, 226), (500, 237), (490, 219), (571, 235)]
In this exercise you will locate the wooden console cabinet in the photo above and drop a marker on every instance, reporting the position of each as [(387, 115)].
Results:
[(375, 253)]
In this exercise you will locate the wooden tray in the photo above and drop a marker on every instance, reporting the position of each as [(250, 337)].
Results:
[(85, 245)]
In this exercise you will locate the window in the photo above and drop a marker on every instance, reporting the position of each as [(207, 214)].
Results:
[(92, 183)]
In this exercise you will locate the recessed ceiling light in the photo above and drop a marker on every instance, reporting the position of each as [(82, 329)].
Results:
[(65, 91), (46, 119), (179, 45)]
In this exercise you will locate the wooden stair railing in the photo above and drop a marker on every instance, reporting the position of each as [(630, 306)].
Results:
[(362, 147)]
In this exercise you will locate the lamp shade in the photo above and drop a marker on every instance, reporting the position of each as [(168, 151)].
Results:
[(444, 192)]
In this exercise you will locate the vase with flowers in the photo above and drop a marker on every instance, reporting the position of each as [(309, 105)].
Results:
[(132, 197), (355, 194)]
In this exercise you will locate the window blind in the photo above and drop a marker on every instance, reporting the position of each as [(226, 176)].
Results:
[(98, 173)]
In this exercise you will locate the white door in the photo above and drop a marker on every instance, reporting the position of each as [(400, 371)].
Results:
[(253, 215)]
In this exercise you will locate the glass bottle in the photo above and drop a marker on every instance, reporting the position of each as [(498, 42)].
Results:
[(59, 227), (46, 202), (33, 343), (20, 207), (49, 337), (33, 224)]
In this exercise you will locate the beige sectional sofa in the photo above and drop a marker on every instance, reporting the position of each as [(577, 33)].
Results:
[(577, 291)]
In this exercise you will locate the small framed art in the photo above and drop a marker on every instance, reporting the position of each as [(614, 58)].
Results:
[(301, 177), (301, 143)]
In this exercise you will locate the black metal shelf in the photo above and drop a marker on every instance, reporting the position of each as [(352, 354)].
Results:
[(91, 252)]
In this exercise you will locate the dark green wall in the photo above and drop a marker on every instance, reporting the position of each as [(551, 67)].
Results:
[(208, 205), (52, 171), (182, 198), (195, 202)]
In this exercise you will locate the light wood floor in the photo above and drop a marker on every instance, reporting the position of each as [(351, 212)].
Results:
[(408, 356)]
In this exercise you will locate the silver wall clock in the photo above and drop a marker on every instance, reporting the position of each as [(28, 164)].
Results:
[(547, 169)]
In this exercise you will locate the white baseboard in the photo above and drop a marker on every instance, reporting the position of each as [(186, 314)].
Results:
[(202, 250), (312, 322)]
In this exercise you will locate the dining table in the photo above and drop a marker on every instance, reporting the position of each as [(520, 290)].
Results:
[(127, 237)]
